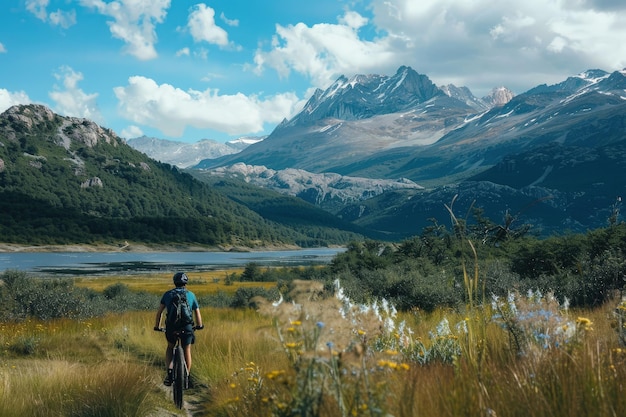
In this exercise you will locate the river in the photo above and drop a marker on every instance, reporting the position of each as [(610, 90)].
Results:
[(105, 263)]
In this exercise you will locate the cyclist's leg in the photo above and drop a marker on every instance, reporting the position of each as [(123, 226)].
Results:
[(187, 352), (169, 355)]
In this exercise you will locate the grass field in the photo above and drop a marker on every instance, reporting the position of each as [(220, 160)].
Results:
[(201, 283), (322, 357)]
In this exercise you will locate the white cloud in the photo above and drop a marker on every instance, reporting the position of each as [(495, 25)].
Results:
[(171, 109), (479, 44), (38, 8), (133, 22), (324, 51), (183, 52), (546, 41), (9, 99), (131, 131), (229, 22), (202, 26), (65, 19), (2, 48), (71, 100)]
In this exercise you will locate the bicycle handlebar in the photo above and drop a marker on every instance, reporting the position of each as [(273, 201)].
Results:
[(162, 329)]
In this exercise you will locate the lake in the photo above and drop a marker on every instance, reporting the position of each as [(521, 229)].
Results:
[(105, 263)]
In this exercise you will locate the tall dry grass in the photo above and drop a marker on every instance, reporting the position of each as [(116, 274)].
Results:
[(60, 388), (326, 368), (322, 357)]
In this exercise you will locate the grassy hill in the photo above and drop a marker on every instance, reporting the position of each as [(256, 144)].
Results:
[(67, 180)]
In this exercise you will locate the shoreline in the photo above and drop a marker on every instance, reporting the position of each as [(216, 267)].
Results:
[(136, 247)]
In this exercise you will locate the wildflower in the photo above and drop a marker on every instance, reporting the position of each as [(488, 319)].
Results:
[(274, 374), (320, 324), (232, 385), (584, 322), (361, 332), (296, 323), (292, 345)]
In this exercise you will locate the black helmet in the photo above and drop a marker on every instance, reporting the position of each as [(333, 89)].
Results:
[(180, 278)]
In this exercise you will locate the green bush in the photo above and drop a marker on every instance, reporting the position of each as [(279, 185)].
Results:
[(23, 296)]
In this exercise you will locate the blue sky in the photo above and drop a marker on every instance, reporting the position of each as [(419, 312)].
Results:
[(185, 70)]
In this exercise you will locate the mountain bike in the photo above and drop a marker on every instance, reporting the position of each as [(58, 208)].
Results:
[(180, 373)]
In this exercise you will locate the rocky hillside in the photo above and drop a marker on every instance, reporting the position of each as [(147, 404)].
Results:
[(68, 180), (328, 190)]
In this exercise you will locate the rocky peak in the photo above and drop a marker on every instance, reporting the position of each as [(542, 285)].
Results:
[(498, 97), (25, 119), (363, 96), (31, 118)]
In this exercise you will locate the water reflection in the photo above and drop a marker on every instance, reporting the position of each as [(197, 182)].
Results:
[(105, 263)]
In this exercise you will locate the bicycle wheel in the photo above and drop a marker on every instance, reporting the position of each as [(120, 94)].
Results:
[(179, 377)]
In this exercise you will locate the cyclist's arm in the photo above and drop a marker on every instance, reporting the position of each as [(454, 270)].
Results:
[(157, 320), (198, 317)]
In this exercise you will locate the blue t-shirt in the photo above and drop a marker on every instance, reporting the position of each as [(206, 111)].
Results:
[(169, 295)]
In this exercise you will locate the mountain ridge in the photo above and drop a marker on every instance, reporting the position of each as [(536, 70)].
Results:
[(68, 180)]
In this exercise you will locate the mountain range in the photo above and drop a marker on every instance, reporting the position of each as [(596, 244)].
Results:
[(372, 155), (68, 180), (552, 157), (185, 155)]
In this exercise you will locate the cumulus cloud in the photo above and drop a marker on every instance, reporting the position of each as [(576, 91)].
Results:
[(70, 99), (131, 131), (465, 43), (201, 25), (134, 23), (9, 99), (171, 109), (324, 51)]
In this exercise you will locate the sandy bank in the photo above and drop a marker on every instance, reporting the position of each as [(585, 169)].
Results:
[(137, 247)]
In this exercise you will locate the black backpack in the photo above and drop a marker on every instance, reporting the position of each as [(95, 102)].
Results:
[(178, 312)]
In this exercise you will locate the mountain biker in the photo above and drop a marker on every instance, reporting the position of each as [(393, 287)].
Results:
[(187, 337)]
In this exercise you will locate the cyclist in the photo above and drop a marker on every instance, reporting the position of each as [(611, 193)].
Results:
[(187, 337)]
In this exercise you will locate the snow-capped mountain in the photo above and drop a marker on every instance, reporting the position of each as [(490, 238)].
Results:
[(184, 155), (364, 96), (561, 144)]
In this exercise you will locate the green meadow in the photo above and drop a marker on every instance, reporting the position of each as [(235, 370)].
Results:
[(320, 354)]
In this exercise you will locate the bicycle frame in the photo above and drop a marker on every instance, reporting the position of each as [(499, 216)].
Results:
[(180, 373)]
